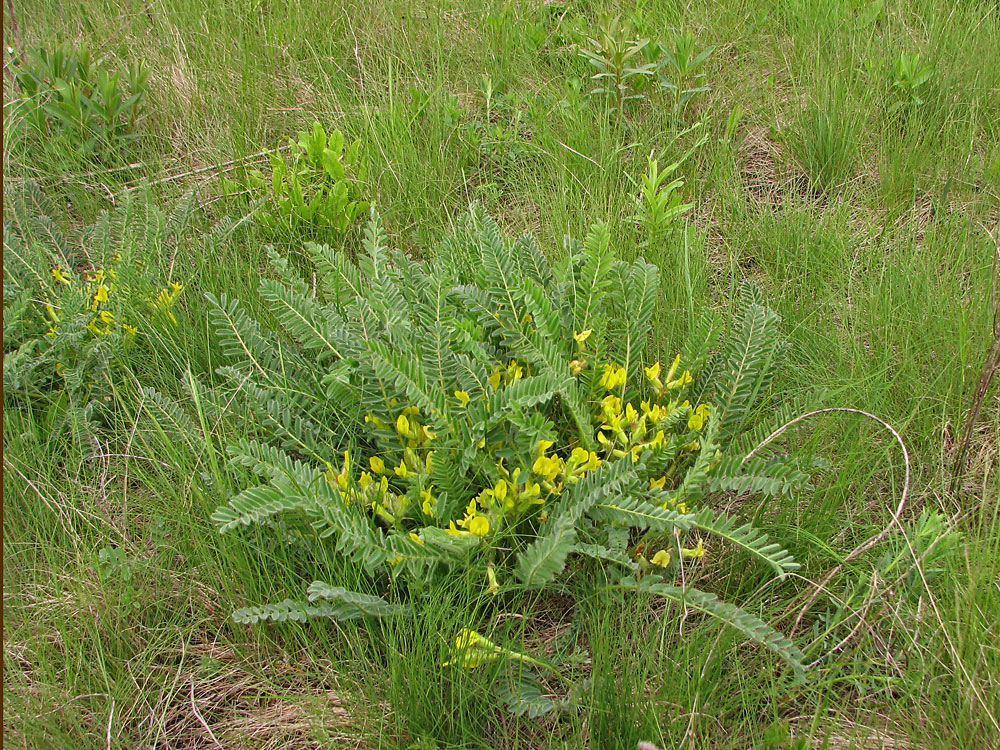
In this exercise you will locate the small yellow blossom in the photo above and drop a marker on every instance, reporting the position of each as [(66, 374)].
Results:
[(377, 464), (100, 297), (57, 274), (401, 470), (494, 380), (416, 538), (463, 397), (697, 419), (547, 467), (427, 506), (698, 551), (479, 525), (683, 380), (584, 460), (661, 558), (130, 330), (403, 425), (577, 366), (659, 483), (472, 650), (653, 372), (673, 368), (614, 376)]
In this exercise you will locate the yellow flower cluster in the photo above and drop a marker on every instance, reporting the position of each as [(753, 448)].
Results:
[(411, 465), (501, 375), (166, 299), (398, 487), (99, 286), (669, 383), (555, 472)]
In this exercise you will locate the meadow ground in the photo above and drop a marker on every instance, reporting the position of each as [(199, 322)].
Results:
[(862, 202)]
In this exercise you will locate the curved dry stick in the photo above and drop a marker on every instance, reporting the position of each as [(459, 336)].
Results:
[(872, 540)]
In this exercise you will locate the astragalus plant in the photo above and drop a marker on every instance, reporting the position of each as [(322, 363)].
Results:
[(491, 414)]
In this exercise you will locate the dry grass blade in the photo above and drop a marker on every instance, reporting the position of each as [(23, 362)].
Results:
[(873, 540)]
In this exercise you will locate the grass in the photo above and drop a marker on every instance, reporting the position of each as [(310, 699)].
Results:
[(868, 228)]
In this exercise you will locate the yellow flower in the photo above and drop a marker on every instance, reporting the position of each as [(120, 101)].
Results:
[(479, 525), (614, 376), (403, 425), (463, 397), (657, 483), (365, 480), (583, 460), (106, 317), (472, 650), (401, 470), (428, 502), (653, 372), (52, 330), (374, 420), (630, 413), (697, 419), (57, 274), (514, 371), (92, 327), (175, 288), (416, 538), (577, 366), (543, 446), (377, 464), (494, 380), (481, 443), (581, 338), (130, 330), (547, 467), (500, 491), (661, 558), (491, 578), (683, 380), (673, 368), (100, 297), (698, 551)]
